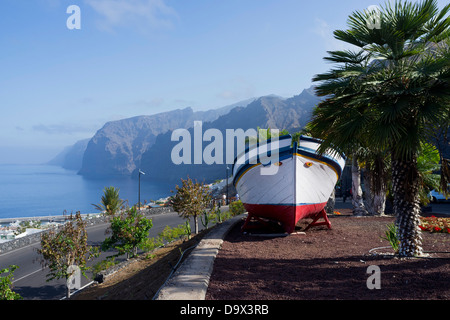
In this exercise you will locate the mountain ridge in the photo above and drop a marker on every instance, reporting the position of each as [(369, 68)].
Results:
[(123, 146), (291, 114)]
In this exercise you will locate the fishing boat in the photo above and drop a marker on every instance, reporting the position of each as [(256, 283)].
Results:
[(296, 186)]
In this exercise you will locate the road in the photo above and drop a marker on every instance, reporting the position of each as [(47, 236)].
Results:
[(30, 279), (442, 208)]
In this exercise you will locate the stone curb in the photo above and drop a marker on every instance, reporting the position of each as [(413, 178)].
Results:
[(191, 280)]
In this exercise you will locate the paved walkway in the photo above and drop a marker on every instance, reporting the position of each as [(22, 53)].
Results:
[(191, 280)]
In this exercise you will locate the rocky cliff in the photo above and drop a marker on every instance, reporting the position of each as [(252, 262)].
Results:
[(116, 149), (123, 146), (71, 157), (266, 112)]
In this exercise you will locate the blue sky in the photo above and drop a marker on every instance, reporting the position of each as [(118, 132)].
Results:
[(141, 57)]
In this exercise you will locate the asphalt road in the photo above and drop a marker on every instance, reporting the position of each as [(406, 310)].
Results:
[(442, 207), (30, 279)]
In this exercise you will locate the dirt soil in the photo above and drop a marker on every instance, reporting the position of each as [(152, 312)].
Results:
[(316, 265), (328, 264)]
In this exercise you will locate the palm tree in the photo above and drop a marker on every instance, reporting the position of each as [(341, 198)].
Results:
[(354, 151), (376, 174), (111, 202), (390, 92)]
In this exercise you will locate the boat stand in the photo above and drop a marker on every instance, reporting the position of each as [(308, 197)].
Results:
[(314, 223), (263, 223)]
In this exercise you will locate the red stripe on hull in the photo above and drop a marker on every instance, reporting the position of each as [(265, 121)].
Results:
[(287, 215)]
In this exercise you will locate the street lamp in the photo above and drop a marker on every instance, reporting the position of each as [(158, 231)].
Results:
[(139, 196), (226, 200)]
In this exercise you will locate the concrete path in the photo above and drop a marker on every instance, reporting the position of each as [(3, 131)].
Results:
[(191, 280)]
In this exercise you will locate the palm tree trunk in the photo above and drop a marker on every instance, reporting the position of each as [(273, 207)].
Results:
[(329, 208), (379, 203), (375, 199), (405, 187), (357, 198)]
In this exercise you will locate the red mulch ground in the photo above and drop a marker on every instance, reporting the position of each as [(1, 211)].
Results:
[(328, 264)]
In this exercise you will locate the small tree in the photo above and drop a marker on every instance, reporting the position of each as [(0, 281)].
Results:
[(111, 202), (190, 200), (65, 248), (129, 231), (6, 292)]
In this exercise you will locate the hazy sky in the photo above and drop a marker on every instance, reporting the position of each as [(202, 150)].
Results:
[(141, 57)]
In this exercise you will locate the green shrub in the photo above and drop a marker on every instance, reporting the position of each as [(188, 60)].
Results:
[(104, 265), (188, 229), (6, 293), (206, 218), (170, 234), (237, 208), (129, 231), (217, 216)]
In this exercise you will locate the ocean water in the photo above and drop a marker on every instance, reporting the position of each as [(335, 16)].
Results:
[(41, 190)]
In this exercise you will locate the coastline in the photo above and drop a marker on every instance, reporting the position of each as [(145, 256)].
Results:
[(35, 191)]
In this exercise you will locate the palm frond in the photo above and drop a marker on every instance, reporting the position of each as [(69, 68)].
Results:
[(347, 56)]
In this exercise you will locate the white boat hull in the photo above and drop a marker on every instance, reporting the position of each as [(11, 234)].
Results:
[(296, 187)]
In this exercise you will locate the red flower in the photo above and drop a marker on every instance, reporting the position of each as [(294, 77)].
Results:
[(437, 229), (423, 228)]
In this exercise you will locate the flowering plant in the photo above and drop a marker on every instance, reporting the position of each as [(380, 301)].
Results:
[(434, 224)]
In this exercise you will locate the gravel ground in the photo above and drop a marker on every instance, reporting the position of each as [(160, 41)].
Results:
[(324, 264)]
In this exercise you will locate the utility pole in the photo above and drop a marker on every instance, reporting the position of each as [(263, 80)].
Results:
[(226, 200), (139, 196)]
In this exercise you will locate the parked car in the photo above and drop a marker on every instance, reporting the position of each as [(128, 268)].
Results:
[(435, 196)]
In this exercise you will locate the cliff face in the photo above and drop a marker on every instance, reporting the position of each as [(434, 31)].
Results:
[(123, 146), (71, 157), (117, 148), (266, 112)]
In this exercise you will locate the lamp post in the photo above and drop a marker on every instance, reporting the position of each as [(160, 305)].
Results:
[(139, 196), (226, 200)]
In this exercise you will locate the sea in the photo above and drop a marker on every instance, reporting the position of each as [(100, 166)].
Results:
[(43, 190)]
